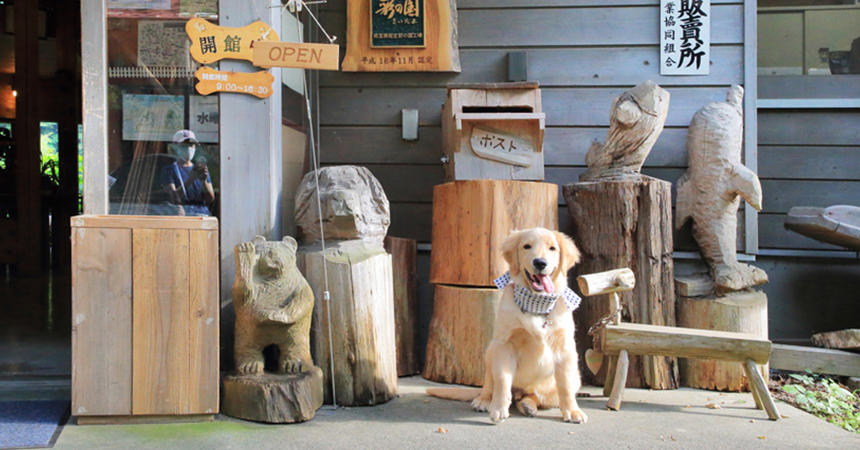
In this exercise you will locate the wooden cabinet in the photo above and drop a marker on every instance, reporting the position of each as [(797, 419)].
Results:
[(144, 315)]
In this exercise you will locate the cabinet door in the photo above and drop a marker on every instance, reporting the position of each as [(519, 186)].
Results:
[(204, 323), (160, 334), (101, 321)]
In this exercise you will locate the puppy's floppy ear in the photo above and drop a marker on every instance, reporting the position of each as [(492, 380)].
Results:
[(568, 253), (509, 251)]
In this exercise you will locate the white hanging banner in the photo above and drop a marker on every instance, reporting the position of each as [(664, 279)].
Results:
[(685, 37)]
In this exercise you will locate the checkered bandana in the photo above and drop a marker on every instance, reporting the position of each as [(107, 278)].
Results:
[(536, 303)]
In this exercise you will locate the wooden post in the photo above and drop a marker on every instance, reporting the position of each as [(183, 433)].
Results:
[(636, 213), (362, 320), (403, 256)]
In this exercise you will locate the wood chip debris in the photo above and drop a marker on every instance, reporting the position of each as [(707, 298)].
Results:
[(712, 405), (442, 430)]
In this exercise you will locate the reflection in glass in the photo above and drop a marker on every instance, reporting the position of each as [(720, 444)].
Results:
[(163, 147)]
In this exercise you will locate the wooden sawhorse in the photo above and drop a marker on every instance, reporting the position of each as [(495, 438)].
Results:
[(616, 340)]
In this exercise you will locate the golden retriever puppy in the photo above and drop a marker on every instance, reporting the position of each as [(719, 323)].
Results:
[(532, 358)]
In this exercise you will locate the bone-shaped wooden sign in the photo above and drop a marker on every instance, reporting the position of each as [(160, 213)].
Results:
[(258, 84), (210, 42)]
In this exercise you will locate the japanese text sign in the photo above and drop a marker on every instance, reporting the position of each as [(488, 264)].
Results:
[(397, 23), (210, 43), (258, 84), (685, 37), (291, 54)]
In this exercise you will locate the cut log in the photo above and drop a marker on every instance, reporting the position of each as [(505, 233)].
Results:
[(627, 224), (472, 218), (818, 360), (460, 331), (842, 339), (273, 398), (362, 319), (403, 257), (640, 339), (744, 312)]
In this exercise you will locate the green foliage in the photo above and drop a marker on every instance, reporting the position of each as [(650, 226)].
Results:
[(825, 398), (49, 146)]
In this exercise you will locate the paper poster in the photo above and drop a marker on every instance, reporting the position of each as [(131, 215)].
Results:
[(152, 117), (685, 37), (162, 43), (138, 4), (203, 117)]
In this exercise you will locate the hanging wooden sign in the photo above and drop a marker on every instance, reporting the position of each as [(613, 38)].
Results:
[(293, 54), (502, 147), (258, 84), (210, 42), (401, 36)]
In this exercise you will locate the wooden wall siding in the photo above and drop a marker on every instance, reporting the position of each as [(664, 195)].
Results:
[(806, 158), (583, 53)]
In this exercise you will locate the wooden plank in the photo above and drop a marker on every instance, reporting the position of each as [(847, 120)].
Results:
[(101, 321), (561, 146), (161, 382), (137, 420), (95, 106), (824, 127), (559, 67), (781, 195), (151, 222), (641, 339), (203, 322), (818, 360), (563, 106), (809, 162)]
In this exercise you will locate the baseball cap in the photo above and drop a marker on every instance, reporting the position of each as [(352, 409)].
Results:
[(183, 136)]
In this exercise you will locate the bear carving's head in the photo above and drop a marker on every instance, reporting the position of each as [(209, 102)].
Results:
[(352, 201), (275, 257)]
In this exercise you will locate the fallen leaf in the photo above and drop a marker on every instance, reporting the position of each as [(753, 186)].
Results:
[(570, 432), (783, 416), (687, 406), (739, 401), (672, 438), (712, 406), (752, 420), (427, 401), (762, 437), (442, 430)]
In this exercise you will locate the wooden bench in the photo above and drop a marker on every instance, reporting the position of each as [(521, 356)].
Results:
[(616, 340)]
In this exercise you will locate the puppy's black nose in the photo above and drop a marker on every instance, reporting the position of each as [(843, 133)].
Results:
[(539, 263)]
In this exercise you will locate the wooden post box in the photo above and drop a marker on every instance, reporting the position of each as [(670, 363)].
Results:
[(493, 131), (144, 317)]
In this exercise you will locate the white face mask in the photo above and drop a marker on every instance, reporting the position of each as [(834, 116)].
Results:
[(184, 152)]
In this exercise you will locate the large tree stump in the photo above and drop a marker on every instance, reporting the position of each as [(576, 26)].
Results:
[(273, 398), (403, 257), (362, 319), (460, 331), (627, 223), (744, 312)]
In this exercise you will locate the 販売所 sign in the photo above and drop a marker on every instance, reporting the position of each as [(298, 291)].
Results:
[(397, 23), (685, 37)]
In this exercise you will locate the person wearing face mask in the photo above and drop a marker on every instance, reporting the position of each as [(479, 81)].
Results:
[(188, 184)]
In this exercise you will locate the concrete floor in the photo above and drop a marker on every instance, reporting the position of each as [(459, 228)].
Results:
[(648, 419)]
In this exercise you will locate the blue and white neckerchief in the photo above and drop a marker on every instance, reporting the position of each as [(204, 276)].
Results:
[(536, 303)]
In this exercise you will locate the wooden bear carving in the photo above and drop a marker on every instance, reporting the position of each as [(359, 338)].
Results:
[(273, 303)]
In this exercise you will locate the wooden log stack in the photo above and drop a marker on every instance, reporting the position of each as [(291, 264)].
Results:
[(470, 220)]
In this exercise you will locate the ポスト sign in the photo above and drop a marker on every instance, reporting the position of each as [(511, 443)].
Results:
[(397, 23)]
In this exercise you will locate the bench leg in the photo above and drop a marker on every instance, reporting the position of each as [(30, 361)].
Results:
[(757, 383), (610, 374), (620, 379), (753, 391)]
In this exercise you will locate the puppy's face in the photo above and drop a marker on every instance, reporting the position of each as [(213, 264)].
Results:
[(539, 256)]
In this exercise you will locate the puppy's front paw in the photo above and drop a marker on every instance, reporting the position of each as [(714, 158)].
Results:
[(498, 413), (481, 404), (574, 415)]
